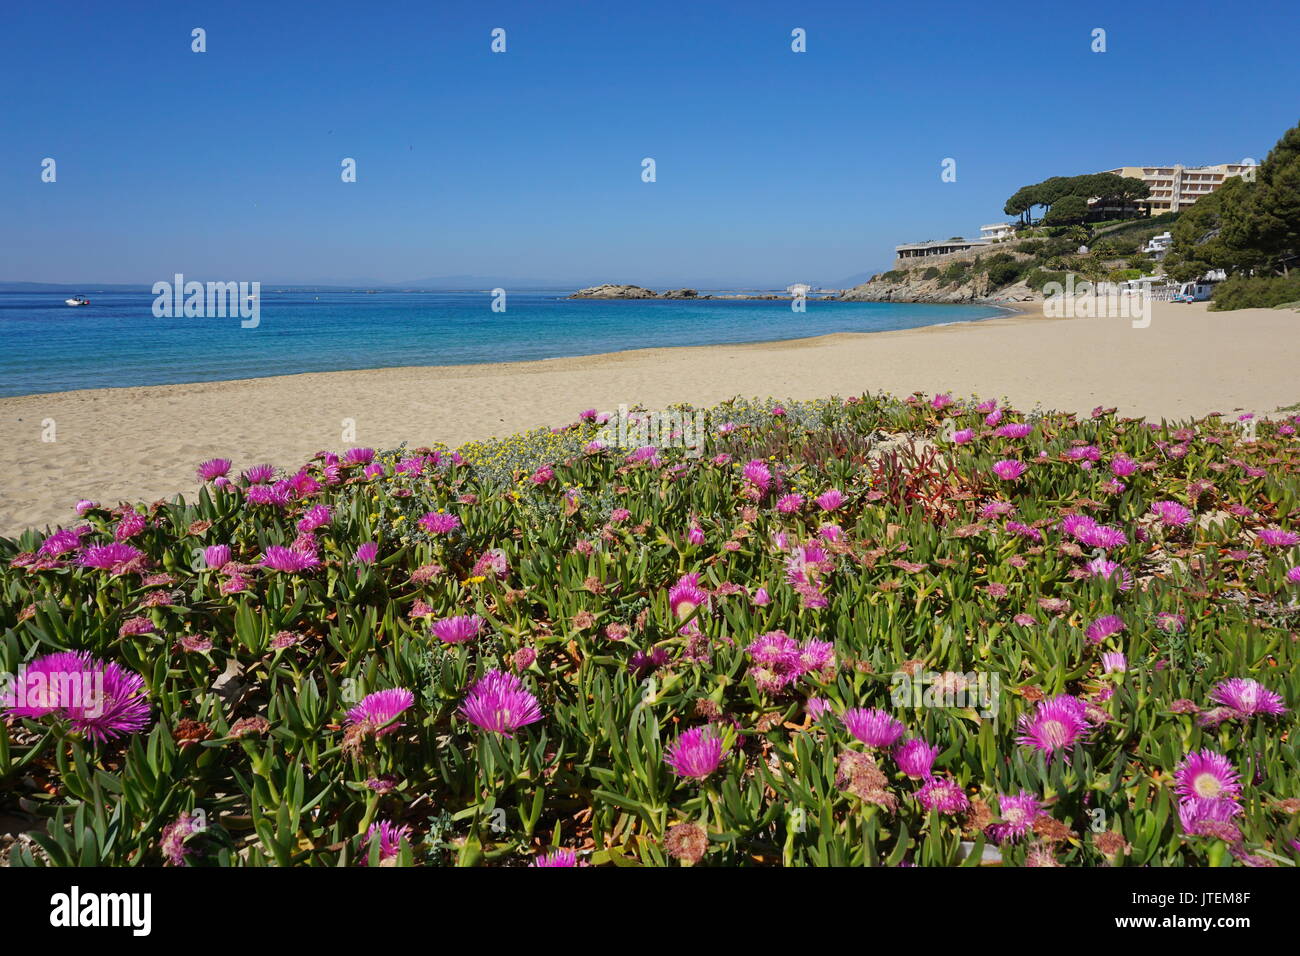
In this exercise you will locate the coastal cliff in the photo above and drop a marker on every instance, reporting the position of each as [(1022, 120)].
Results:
[(912, 287)]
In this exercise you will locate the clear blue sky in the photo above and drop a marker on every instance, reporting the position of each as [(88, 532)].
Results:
[(773, 167)]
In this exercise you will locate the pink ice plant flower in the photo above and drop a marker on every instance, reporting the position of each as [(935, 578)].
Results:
[(314, 518), (381, 709), (1055, 726), (438, 522), (1171, 514), (390, 837), (1210, 816), (1247, 697), (99, 699), (498, 702), (1017, 814), (457, 630), (875, 727), (696, 753), (686, 595), (1110, 570), (213, 469), (1277, 538), (560, 857), (278, 558), (789, 504), (110, 557), (1104, 627), (1206, 774), (1009, 469), (830, 500), (942, 795), (915, 758)]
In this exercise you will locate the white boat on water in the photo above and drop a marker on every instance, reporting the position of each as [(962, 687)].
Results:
[(77, 300)]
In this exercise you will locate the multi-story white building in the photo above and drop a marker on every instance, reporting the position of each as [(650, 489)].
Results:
[(997, 231), (1174, 188)]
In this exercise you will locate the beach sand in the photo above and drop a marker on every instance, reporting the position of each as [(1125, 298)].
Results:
[(143, 443)]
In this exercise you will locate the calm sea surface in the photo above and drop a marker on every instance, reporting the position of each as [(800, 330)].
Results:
[(46, 346)]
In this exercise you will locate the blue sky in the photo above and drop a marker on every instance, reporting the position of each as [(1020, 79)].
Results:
[(772, 167)]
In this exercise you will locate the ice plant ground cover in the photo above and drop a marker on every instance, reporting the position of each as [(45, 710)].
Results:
[(873, 631)]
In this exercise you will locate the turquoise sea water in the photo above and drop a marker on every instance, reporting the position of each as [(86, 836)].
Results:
[(117, 341)]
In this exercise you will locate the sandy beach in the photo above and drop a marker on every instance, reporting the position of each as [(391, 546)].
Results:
[(143, 443)]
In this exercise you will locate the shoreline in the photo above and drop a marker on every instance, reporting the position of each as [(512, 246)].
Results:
[(143, 442)]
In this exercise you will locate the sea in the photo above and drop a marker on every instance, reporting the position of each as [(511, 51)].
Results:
[(118, 341)]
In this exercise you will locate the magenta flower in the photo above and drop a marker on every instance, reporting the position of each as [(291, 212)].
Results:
[(1212, 816), (789, 504), (686, 595), (942, 796), (1206, 774), (492, 561), (758, 474), (1293, 575), (259, 474), (1113, 662), (1110, 570), (110, 557), (1247, 697), (367, 553), (279, 558), (101, 700), (498, 702), (1275, 538), (1018, 814), (830, 500), (915, 758), (458, 630), (1055, 726), (816, 657), (1171, 513), (217, 556), (1024, 531), (390, 837), (438, 522), (1009, 469), (1104, 627), (358, 456), (381, 709), (60, 542), (213, 468), (276, 495), (558, 857), (313, 518), (696, 753), (875, 728), (172, 839), (1015, 430)]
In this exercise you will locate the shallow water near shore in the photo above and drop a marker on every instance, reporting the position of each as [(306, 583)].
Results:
[(117, 341)]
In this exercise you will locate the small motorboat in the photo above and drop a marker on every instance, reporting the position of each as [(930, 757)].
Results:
[(77, 300)]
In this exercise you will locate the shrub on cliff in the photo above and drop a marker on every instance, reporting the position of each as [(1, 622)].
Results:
[(1255, 292)]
